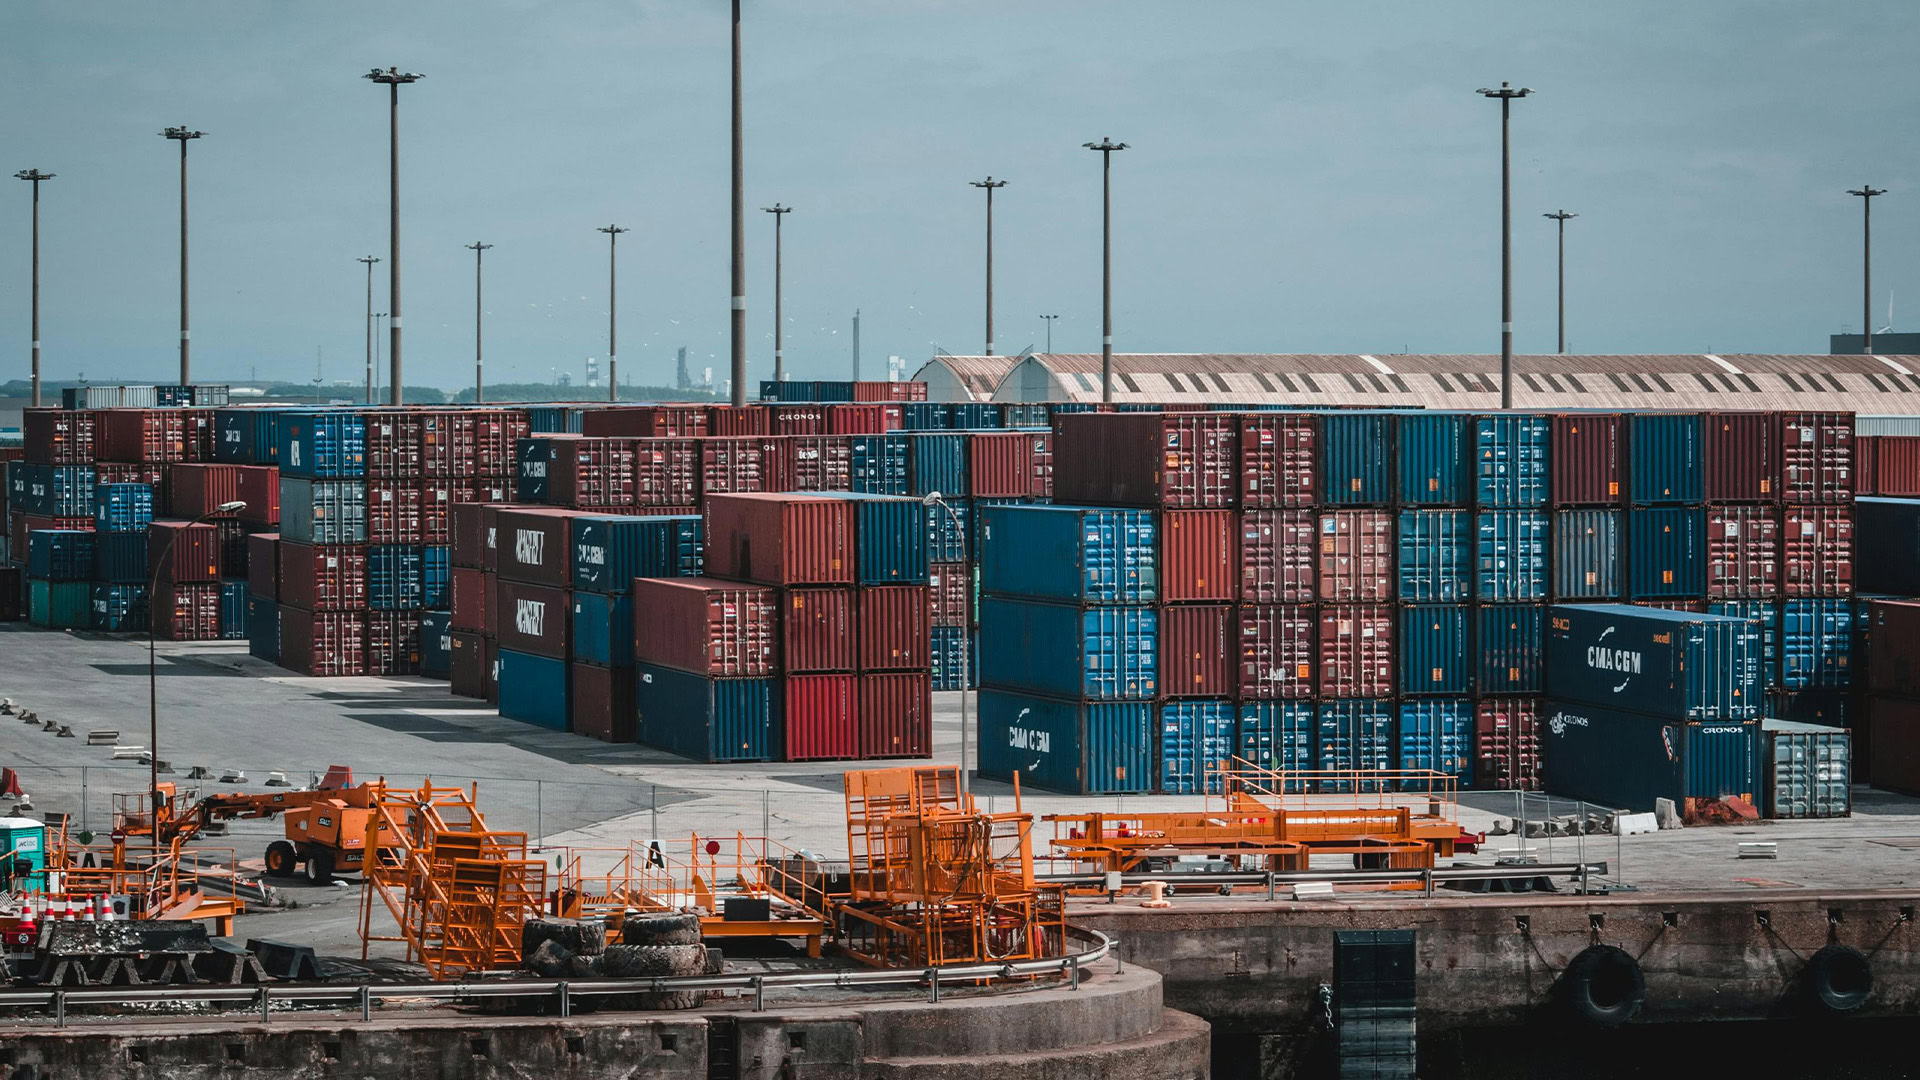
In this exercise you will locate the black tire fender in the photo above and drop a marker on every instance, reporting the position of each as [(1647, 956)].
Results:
[(1603, 987), (1838, 978)]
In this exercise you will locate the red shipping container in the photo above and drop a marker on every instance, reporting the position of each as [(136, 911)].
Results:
[(591, 472), (323, 642), (436, 506), (1743, 553), (893, 628), (713, 628), (467, 664), (796, 420), (1357, 556), (393, 513), (808, 463), (646, 421), (533, 619), (737, 420), (1866, 464), (179, 551), (949, 590), (1279, 459), (1816, 457), (393, 444), (58, 436), (1279, 646), (483, 490), (1197, 555), (1008, 464), (198, 489), (12, 600), (818, 723), (483, 440), (533, 544), (863, 419), (1196, 650), (1146, 459), (1740, 453), (186, 611), (393, 643), (666, 472), (881, 390), (1817, 551), (817, 630), (1697, 606), (140, 435), (602, 703), (896, 715), (780, 539), (201, 435), (437, 459), (263, 565), (1584, 457), (1506, 738), (232, 536), (1278, 560), (731, 465), (1356, 651), (473, 530), (327, 577), (1893, 647), (151, 473), (471, 600)]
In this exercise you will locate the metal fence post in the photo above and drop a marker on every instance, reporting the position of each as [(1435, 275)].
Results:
[(653, 808), (263, 1002), (1073, 972), (766, 814), (566, 999), (366, 1001), (83, 799), (59, 1008), (759, 994), (933, 982), (540, 814)]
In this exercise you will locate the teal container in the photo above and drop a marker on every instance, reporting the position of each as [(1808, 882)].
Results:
[(1435, 464), (1075, 554), (1511, 464), (1434, 658), (1510, 556), (1074, 747), (706, 719), (120, 609), (535, 690), (1667, 553), (1354, 456), (1587, 555), (1816, 644), (1436, 556), (889, 537), (1765, 614), (1664, 458), (1437, 736), (60, 605), (1277, 735), (1355, 735), (1066, 651), (1196, 741), (1510, 645), (1672, 663)]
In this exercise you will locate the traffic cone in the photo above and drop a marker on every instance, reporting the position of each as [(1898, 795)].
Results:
[(86, 909), (9, 784)]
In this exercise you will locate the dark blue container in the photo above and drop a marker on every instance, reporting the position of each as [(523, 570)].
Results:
[(1510, 555), (233, 610), (949, 534), (1196, 741), (976, 415), (263, 628), (120, 609), (247, 436), (1078, 554), (771, 390), (1354, 452), (1886, 546), (1436, 556), (16, 473), (1355, 735), (706, 719), (1667, 553), (1434, 658), (60, 554), (436, 576), (120, 558), (1510, 641), (1097, 653), (1511, 465), (530, 460), (1030, 414), (52, 490), (436, 644), (535, 690), (395, 578), (1074, 747), (1587, 555), (603, 628), (1278, 735), (879, 465), (1664, 458), (550, 419), (889, 538), (1435, 462), (323, 511), (926, 416), (1627, 760), (609, 552), (1437, 736), (1816, 643), (945, 644), (172, 397), (1764, 614), (939, 463), (122, 508), (1669, 663), (323, 445)]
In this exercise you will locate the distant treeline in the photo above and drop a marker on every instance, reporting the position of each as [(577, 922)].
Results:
[(412, 395)]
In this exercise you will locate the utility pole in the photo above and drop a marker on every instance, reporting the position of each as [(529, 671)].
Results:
[(989, 183), (1106, 147), (739, 394), (1049, 319), (393, 79), (1561, 217), (856, 344), (369, 260), (613, 241), (183, 135), (479, 381), (35, 176), (1506, 94), (1866, 192), (377, 316), (779, 355)]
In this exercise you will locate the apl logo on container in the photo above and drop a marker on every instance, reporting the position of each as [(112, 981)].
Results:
[(1625, 662), (530, 617), (530, 547)]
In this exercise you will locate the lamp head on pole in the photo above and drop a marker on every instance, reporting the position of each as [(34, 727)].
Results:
[(33, 174), (1106, 145), (1867, 191), (181, 133), (776, 208), (1560, 215), (612, 230), (990, 183), (230, 507), (1506, 91), (393, 76), (369, 260), (478, 246)]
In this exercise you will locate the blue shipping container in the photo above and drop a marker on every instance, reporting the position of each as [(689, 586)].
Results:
[(1073, 553), (1510, 640), (436, 644), (1436, 549), (436, 576), (1886, 546), (1278, 735), (122, 508), (1765, 615), (1435, 466), (530, 459), (879, 465), (949, 531), (1511, 467), (705, 719), (323, 511), (263, 628), (60, 554), (609, 552), (1353, 458), (53, 490), (1669, 663), (395, 579), (1667, 553), (120, 558), (926, 415), (1626, 760), (233, 610), (1437, 736), (889, 538), (1511, 555), (1355, 735), (535, 690), (1098, 653), (976, 415), (1816, 643), (247, 436), (945, 644), (60, 605), (1075, 747), (603, 629), (120, 609), (939, 463), (322, 445), (1664, 458), (1586, 555), (1434, 658), (1196, 741)]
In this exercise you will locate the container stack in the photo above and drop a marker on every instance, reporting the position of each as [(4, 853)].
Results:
[(1892, 703), (123, 513), (609, 553)]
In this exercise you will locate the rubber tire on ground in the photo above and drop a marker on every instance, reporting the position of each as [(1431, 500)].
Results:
[(662, 928), (550, 960), (1838, 978), (652, 961), (716, 962), (1603, 987), (320, 868), (281, 859), (582, 937)]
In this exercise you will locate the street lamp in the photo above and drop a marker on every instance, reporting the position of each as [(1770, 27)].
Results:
[(779, 354), (183, 136), (613, 375), (1506, 95), (377, 316), (1866, 193), (153, 669), (1106, 147), (989, 183), (479, 384), (1049, 319), (35, 175), (369, 260), (393, 79), (933, 501), (1561, 217)]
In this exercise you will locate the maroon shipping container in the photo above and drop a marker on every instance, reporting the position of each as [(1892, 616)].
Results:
[(533, 619), (1506, 742), (796, 420), (186, 611), (232, 539), (949, 592), (483, 441), (13, 606), (816, 630), (818, 722), (437, 459), (874, 418), (896, 715), (140, 435), (808, 463), (591, 472), (736, 420), (1584, 456), (471, 600), (1146, 459), (436, 504), (1198, 550), (151, 473), (1740, 454), (1279, 459), (602, 703), (1278, 561), (393, 643), (1357, 556), (1743, 553), (1279, 648), (533, 545), (1893, 647), (1816, 457), (473, 526), (1866, 463), (484, 490), (666, 472), (893, 628), (713, 628), (883, 390), (1196, 650), (1356, 651), (1893, 730), (1816, 551), (263, 565), (1010, 464), (467, 664), (197, 489), (646, 421), (323, 642), (733, 464), (780, 539), (179, 551), (393, 444), (393, 513), (202, 436), (58, 436), (327, 577)]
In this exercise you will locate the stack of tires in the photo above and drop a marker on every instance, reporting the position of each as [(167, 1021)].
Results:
[(651, 946)]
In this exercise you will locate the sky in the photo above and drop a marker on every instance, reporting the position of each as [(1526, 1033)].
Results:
[(1300, 178)]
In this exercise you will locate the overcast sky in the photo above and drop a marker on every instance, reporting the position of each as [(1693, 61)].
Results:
[(1303, 177)]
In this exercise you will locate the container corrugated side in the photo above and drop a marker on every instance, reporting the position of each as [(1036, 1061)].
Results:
[(1808, 770), (1434, 656), (1279, 560), (535, 690), (603, 629), (1764, 614), (1196, 741), (1434, 466), (1627, 761), (938, 462), (323, 511), (892, 628), (1665, 458), (1354, 458), (1666, 553), (1740, 456), (1510, 641), (819, 718), (601, 706), (1277, 735), (1198, 551), (263, 628), (1146, 459), (1511, 463), (1098, 653), (1070, 746), (1069, 553), (706, 719), (1510, 555), (322, 444), (705, 626), (60, 605), (780, 539), (895, 717), (1436, 550), (1586, 456), (1197, 650), (1672, 663), (1437, 736), (817, 630), (889, 538), (1587, 557)]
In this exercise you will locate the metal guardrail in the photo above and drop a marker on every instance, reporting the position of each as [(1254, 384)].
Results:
[(1427, 877), (367, 996)]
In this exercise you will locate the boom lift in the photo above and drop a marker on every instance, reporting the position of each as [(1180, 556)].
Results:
[(326, 826)]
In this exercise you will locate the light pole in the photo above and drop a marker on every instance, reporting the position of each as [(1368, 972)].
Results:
[(1866, 193), (613, 372), (779, 354), (377, 316), (1561, 217), (393, 79), (989, 183), (1106, 147), (479, 383), (369, 260), (183, 136), (1049, 319), (936, 503), (35, 175), (1506, 94), (739, 394)]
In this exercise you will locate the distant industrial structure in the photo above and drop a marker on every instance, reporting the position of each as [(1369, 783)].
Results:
[(1884, 344)]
